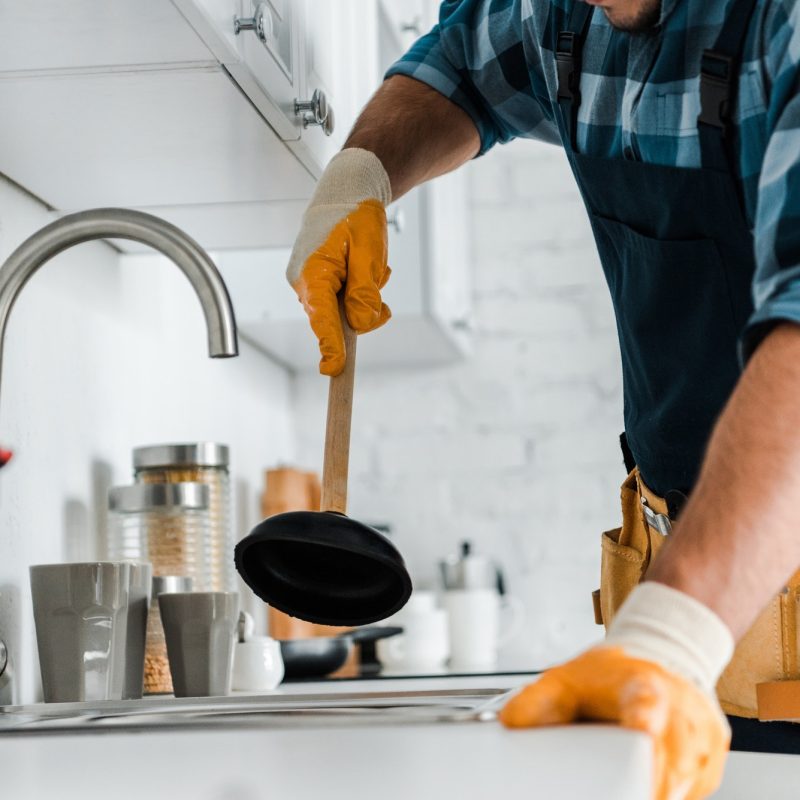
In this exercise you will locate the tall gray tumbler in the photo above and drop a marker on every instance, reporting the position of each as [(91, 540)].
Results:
[(81, 615)]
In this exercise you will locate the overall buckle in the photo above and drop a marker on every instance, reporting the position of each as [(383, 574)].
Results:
[(660, 522), (567, 56), (716, 87)]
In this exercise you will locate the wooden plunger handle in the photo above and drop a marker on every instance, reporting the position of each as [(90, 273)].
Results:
[(337, 430)]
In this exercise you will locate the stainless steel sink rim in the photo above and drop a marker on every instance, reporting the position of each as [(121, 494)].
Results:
[(312, 710)]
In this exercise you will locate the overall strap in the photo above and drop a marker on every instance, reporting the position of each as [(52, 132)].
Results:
[(568, 50), (719, 86)]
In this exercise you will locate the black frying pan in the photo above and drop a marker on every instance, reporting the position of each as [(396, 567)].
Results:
[(315, 657)]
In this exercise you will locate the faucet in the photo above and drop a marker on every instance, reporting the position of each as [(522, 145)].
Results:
[(121, 223)]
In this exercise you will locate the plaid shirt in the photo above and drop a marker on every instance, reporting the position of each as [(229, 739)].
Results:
[(640, 100)]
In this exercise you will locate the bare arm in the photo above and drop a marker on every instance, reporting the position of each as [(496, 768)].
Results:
[(416, 133), (738, 539)]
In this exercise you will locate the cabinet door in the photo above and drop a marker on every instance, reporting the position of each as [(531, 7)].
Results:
[(275, 64), (267, 71), (308, 45), (448, 277), (339, 53), (405, 291)]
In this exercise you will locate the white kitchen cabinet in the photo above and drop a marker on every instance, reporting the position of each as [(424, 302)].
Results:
[(339, 52), (267, 70), (430, 288), (448, 259), (307, 47), (142, 139), (92, 34), (126, 104), (162, 106)]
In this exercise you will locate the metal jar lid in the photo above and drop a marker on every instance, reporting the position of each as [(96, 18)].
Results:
[(158, 496), (170, 584), (197, 454)]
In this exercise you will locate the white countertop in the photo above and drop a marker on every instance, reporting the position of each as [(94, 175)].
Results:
[(391, 762)]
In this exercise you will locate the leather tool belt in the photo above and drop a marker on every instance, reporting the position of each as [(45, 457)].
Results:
[(763, 678)]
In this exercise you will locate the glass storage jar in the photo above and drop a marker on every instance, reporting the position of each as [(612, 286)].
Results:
[(166, 524), (207, 463)]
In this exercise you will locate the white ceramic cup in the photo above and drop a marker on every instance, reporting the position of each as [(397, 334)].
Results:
[(424, 643), (475, 634), (257, 665)]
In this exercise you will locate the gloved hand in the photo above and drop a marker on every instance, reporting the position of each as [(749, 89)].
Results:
[(656, 673), (343, 241)]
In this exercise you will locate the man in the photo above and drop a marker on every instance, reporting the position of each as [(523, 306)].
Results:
[(680, 119)]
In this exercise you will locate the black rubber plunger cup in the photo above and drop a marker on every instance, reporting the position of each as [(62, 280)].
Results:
[(322, 566)]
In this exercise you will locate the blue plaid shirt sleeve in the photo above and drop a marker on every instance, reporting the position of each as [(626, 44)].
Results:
[(475, 57), (776, 284)]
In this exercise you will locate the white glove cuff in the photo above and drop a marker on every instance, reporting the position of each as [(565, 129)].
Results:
[(661, 624), (353, 175)]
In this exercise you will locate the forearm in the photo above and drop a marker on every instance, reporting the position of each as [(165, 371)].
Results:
[(415, 131), (738, 539)]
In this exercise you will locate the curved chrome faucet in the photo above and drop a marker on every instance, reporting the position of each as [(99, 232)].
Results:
[(120, 223)]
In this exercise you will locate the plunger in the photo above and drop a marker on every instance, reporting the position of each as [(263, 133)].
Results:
[(322, 566)]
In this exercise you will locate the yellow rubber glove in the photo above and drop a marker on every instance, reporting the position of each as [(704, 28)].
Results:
[(343, 241), (656, 674)]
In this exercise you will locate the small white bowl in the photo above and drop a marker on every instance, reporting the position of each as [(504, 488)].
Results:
[(257, 665)]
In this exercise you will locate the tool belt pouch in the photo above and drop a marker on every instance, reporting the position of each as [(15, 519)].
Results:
[(763, 677), (626, 553), (621, 568)]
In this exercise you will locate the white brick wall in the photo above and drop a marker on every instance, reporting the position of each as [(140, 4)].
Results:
[(515, 448)]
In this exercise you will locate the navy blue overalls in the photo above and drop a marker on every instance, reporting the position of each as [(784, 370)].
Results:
[(678, 256)]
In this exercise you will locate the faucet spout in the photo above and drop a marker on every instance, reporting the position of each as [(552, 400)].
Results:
[(120, 223)]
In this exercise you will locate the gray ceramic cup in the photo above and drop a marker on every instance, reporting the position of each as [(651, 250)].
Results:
[(200, 629), (141, 588), (81, 616)]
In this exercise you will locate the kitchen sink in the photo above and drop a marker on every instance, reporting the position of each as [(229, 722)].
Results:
[(246, 711)]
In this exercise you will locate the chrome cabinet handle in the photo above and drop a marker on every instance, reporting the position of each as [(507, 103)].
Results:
[(316, 111), (260, 22), (397, 220), (462, 324), (414, 26)]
